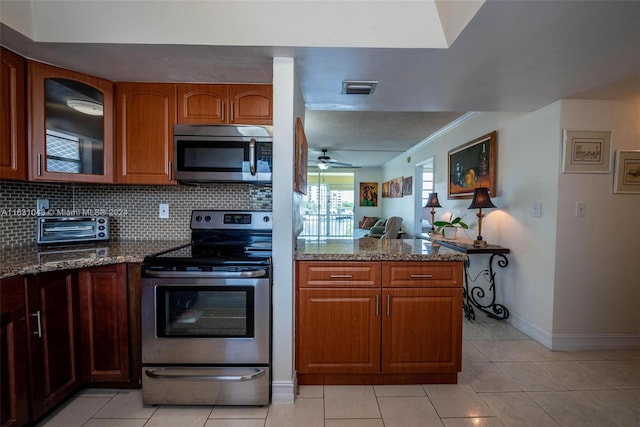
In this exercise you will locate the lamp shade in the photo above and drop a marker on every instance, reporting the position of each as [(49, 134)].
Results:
[(433, 201), (481, 199)]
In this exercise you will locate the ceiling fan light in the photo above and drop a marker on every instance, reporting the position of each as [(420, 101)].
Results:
[(323, 166), (353, 87)]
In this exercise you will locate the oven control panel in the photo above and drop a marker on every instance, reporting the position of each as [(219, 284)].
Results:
[(245, 220)]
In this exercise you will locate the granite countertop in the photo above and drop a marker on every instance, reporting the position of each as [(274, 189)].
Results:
[(370, 249), (32, 259)]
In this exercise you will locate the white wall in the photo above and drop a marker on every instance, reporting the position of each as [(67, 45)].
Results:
[(569, 284), (597, 281), (285, 100)]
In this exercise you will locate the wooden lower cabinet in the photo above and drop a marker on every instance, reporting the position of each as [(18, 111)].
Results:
[(54, 345), (14, 407), (422, 330), (379, 333), (104, 328), (339, 330)]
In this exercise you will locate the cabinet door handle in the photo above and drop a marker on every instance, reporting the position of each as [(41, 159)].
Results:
[(37, 316), (377, 305), (341, 276), (388, 304), (39, 165), (222, 118), (231, 113), (170, 171), (422, 276)]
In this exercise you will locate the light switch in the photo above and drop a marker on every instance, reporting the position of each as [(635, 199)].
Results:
[(536, 209)]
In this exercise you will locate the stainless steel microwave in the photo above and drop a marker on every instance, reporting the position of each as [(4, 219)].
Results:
[(223, 153)]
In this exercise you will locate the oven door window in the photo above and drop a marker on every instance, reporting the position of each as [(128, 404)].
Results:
[(205, 311)]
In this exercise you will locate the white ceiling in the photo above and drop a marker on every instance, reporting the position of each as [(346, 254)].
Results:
[(515, 55)]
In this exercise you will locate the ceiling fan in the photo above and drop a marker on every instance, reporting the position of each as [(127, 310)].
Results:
[(325, 162)]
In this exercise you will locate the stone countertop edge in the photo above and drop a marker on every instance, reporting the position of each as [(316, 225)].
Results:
[(34, 259), (369, 249)]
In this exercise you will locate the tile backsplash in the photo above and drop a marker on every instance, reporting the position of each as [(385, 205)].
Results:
[(132, 209)]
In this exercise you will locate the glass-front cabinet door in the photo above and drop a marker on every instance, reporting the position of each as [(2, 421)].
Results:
[(71, 126)]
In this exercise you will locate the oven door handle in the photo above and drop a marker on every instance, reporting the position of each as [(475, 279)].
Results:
[(208, 274), (151, 373)]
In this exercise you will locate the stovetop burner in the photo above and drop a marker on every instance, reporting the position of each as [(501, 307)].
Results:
[(220, 239)]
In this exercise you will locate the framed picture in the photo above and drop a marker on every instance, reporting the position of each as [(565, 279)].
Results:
[(586, 151), (627, 174), (368, 194), (407, 186), (301, 153), (385, 189), (473, 165), (395, 187)]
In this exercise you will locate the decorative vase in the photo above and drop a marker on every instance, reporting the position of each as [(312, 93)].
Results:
[(449, 232)]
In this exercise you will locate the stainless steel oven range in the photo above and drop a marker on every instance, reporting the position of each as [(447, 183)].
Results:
[(206, 314)]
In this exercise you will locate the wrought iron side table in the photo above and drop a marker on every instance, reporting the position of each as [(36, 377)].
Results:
[(470, 297)]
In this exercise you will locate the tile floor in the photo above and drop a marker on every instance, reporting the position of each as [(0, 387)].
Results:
[(507, 379)]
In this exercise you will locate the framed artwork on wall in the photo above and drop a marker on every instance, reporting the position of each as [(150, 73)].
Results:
[(407, 186), (385, 189), (368, 194), (627, 172), (395, 187), (473, 165), (301, 153), (586, 151)]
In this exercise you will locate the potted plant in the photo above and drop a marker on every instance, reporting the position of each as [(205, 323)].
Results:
[(449, 228)]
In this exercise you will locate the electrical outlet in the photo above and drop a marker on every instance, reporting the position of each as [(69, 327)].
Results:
[(42, 206), (581, 209), (163, 211), (536, 209)]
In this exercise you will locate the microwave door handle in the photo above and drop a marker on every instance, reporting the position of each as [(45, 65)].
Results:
[(252, 156)]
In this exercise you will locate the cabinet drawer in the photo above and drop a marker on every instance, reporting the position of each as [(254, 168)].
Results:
[(422, 274), (328, 274)]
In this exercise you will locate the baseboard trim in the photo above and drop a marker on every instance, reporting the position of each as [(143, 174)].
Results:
[(574, 342), (569, 342), (526, 327), (283, 392)]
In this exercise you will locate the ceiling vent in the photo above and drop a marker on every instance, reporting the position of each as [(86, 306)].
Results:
[(354, 87)]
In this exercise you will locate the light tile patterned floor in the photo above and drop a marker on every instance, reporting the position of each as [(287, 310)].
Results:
[(507, 379)]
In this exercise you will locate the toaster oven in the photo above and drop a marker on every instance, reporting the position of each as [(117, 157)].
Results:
[(71, 229)]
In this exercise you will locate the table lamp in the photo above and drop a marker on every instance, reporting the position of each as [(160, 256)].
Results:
[(480, 200), (433, 203)]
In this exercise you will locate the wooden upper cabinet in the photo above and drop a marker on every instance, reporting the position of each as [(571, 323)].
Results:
[(71, 121), (251, 104), (145, 116), (13, 126), (202, 103)]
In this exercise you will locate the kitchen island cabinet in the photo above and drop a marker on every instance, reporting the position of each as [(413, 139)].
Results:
[(14, 406), (54, 344), (400, 323)]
